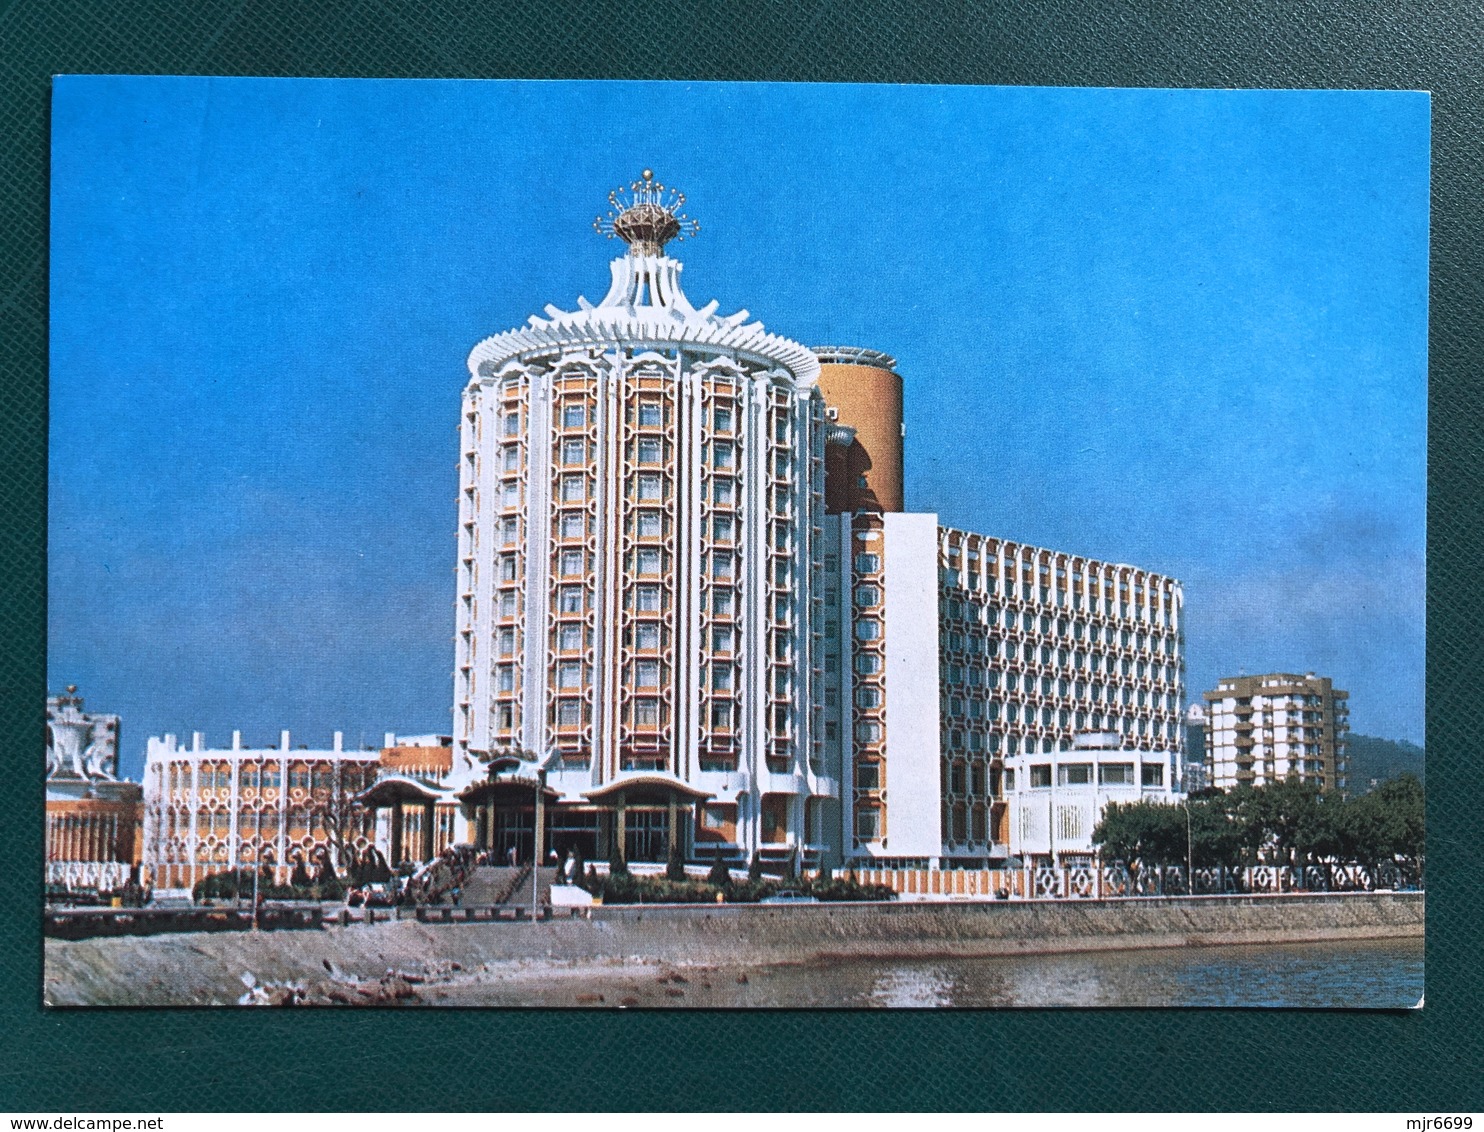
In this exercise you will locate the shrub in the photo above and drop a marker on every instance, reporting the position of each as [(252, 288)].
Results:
[(755, 869), (617, 866), (675, 866), (720, 875), (594, 882)]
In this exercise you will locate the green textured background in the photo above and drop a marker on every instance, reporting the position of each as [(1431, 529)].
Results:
[(250, 1060)]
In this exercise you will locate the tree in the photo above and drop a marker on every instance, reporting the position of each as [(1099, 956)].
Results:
[(335, 810), (675, 866), (617, 866), (720, 875), (755, 869), (1141, 834)]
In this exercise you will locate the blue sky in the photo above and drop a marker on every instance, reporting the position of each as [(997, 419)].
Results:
[(1182, 329)]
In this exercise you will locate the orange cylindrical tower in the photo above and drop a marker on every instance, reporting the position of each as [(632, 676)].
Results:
[(864, 393)]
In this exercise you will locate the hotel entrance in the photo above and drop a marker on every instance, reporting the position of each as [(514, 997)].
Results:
[(647, 835), (650, 816)]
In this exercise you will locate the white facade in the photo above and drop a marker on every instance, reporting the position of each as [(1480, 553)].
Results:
[(641, 503), (1057, 798)]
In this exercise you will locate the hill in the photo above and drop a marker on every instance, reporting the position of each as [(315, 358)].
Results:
[(1372, 758)]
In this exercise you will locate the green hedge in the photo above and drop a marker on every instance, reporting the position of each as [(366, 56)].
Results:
[(625, 888), (238, 885)]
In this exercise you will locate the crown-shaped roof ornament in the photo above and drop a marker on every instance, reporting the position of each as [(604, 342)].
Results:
[(646, 216)]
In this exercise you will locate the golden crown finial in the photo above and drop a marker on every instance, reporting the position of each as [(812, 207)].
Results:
[(646, 216)]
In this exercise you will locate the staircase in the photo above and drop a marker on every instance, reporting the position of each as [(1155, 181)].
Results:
[(491, 885)]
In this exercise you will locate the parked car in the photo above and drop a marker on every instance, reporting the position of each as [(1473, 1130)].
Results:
[(789, 896)]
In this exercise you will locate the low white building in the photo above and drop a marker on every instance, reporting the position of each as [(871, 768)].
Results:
[(1057, 798)]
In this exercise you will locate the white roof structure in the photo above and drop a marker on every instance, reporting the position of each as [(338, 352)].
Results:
[(644, 307)]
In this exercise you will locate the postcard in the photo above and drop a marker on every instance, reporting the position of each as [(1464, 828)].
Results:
[(735, 545)]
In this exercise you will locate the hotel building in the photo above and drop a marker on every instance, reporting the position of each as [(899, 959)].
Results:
[(641, 508), (694, 615), (1263, 729)]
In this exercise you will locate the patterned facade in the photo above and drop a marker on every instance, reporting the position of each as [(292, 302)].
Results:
[(209, 810), (1264, 729), (641, 506)]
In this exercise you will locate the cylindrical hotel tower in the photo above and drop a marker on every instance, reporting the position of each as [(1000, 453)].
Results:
[(864, 393), (641, 497)]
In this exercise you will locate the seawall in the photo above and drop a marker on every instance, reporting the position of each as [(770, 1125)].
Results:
[(204, 968)]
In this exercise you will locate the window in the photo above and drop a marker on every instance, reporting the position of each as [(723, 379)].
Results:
[(649, 414), (507, 568), (574, 451), (648, 561), (649, 451), (868, 697), (572, 525), (651, 489), (573, 416), (1074, 774), (867, 563), (647, 599), (721, 603), (721, 677), (510, 495), (505, 678), (867, 824), (721, 419), (647, 674), (1153, 774), (1116, 774), (647, 636), (646, 713), (867, 630), (512, 458), (507, 642), (721, 492), (721, 528), (1009, 779), (569, 599), (1040, 776), (868, 664), (868, 732), (571, 562), (721, 639), (721, 567), (867, 596), (512, 424), (569, 713), (867, 776), (574, 489), (650, 524), (715, 817), (570, 638), (723, 455), (569, 674)]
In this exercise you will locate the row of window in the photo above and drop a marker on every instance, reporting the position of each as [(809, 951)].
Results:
[(1081, 774)]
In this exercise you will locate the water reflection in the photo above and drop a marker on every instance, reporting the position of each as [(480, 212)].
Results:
[(1365, 975)]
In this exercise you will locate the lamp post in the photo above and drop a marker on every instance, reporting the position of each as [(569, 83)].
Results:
[(1189, 853)]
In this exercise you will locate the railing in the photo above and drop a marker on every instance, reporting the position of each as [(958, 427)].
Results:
[(1116, 881), (105, 876)]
